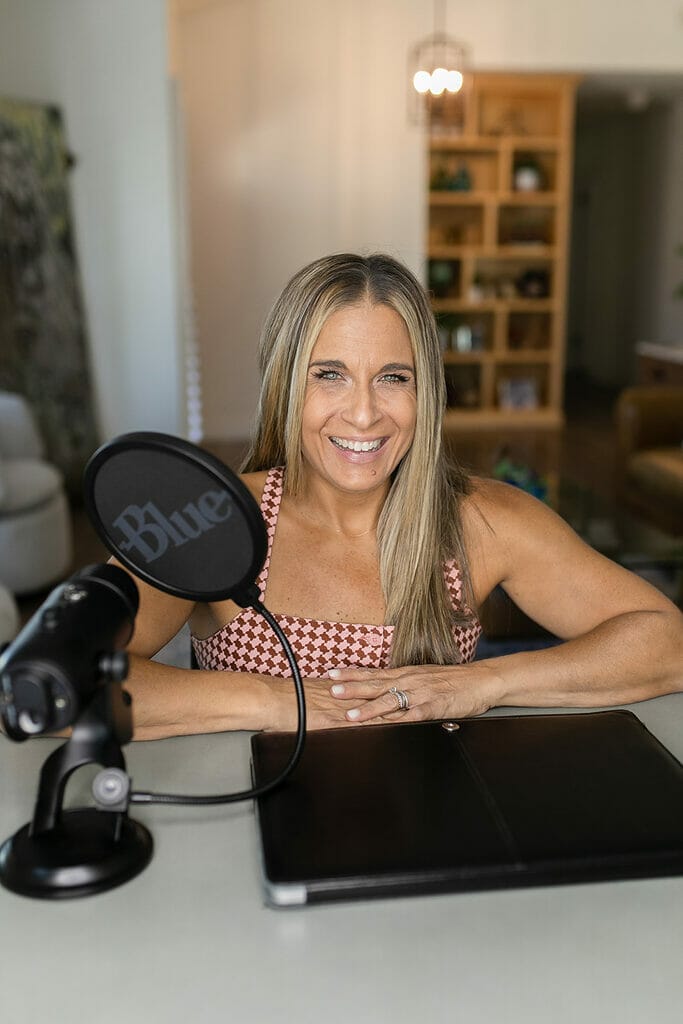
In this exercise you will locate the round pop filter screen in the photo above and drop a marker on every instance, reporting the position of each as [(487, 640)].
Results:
[(177, 517)]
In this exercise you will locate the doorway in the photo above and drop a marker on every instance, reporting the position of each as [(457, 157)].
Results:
[(627, 217)]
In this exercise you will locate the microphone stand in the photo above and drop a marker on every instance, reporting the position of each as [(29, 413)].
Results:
[(89, 849)]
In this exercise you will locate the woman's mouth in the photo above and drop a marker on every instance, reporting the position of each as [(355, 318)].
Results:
[(348, 445)]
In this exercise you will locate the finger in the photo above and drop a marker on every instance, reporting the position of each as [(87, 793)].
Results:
[(362, 689), (384, 706), (352, 674)]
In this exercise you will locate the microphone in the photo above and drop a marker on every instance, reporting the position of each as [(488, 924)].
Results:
[(70, 646), (180, 520)]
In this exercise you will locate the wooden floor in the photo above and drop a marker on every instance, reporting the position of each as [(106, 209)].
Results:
[(583, 451)]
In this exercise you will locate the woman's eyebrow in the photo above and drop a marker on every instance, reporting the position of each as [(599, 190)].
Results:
[(393, 367), (338, 364)]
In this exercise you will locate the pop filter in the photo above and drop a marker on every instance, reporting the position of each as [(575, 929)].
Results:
[(176, 517)]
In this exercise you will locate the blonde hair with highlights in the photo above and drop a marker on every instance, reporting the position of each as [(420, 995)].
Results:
[(420, 525)]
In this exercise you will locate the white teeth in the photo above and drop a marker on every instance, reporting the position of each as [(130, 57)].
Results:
[(356, 446)]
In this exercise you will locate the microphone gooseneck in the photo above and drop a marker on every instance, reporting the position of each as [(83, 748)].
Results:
[(248, 794)]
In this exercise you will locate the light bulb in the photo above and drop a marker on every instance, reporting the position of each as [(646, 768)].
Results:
[(422, 81), (439, 81), (454, 81)]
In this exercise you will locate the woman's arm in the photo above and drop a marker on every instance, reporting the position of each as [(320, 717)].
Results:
[(624, 639), (170, 701)]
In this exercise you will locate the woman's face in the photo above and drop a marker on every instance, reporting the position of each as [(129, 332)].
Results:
[(360, 404)]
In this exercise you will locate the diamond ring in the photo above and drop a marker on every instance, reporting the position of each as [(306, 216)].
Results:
[(401, 697)]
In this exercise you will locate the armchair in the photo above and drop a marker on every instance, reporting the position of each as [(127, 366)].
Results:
[(650, 435), (35, 525)]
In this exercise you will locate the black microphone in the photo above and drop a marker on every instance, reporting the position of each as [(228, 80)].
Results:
[(183, 522), (180, 520), (70, 646)]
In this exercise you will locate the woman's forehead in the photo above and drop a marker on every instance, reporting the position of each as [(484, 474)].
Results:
[(364, 330)]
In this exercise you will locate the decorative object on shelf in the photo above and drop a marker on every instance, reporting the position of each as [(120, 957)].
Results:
[(510, 122), (534, 284), (476, 292), (506, 288), (461, 180), (444, 179), (519, 475), (517, 393), (441, 277), (437, 77), (527, 175), (440, 178)]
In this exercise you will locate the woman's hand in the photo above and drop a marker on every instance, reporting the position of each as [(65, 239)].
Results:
[(433, 692), (323, 710)]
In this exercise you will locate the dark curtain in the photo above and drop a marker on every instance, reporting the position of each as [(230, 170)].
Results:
[(43, 342)]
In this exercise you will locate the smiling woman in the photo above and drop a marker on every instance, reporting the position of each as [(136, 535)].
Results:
[(380, 550)]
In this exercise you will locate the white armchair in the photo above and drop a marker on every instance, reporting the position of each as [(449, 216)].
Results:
[(35, 525)]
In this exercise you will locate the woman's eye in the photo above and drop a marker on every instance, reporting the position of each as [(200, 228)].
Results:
[(395, 378), (327, 375)]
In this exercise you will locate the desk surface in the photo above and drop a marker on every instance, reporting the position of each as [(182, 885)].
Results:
[(191, 940)]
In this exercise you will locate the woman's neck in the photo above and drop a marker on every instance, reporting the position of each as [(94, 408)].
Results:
[(347, 513)]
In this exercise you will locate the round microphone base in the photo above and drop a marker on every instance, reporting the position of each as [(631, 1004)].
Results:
[(88, 852)]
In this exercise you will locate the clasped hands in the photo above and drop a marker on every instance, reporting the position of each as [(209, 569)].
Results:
[(356, 696)]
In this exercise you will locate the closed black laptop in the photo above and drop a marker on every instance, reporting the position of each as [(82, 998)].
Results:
[(479, 804)]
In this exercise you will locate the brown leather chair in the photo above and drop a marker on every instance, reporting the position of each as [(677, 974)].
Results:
[(650, 433)]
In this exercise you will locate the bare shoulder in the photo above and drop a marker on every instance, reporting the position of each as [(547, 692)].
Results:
[(499, 509), (255, 482)]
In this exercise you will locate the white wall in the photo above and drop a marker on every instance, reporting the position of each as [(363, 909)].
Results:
[(299, 146), (104, 63)]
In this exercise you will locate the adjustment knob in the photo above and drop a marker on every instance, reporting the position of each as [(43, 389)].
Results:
[(110, 788), (114, 666)]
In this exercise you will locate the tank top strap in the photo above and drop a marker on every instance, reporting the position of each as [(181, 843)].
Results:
[(453, 578), (270, 508)]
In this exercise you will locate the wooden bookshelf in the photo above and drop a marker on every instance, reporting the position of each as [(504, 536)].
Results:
[(497, 247)]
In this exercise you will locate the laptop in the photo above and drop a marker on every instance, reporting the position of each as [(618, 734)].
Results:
[(397, 810)]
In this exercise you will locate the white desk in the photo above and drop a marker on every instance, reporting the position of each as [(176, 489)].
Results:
[(190, 939)]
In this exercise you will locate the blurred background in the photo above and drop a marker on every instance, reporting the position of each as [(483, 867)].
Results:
[(212, 147)]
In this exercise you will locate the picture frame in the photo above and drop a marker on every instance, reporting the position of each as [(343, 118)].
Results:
[(518, 393)]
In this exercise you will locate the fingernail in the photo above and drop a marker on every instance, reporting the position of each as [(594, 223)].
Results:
[(337, 690), (334, 673), (353, 714)]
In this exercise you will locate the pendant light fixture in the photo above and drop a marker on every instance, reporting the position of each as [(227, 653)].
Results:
[(438, 78)]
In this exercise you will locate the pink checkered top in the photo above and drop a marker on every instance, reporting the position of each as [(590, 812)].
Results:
[(247, 643)]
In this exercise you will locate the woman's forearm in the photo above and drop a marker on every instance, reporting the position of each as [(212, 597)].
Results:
[(175, 702), (632, 657)]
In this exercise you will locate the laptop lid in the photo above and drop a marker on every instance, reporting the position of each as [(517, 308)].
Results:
[(476, 804)]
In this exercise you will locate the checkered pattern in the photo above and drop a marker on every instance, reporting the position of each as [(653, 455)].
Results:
[(247, 643)]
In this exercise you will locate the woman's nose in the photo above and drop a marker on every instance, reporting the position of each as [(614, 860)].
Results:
[(361, 408)]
